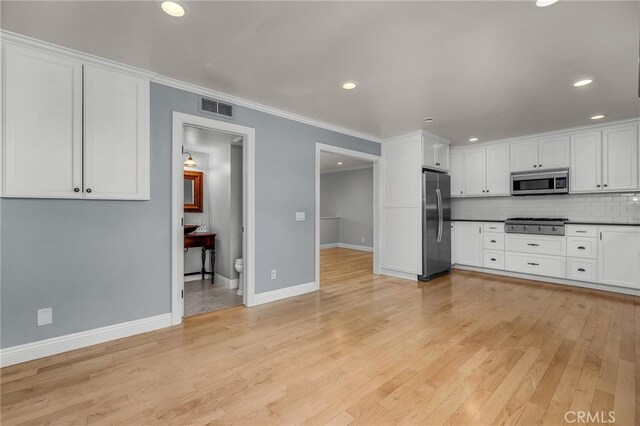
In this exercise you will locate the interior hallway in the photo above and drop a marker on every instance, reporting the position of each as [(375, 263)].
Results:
[(466, 348)]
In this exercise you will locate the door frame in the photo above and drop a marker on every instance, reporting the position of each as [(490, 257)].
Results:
[(376, 160), (177, 209)]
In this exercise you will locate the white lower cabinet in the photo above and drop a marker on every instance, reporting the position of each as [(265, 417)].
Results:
[(536, 264), (582, 269), (469, 243), (453, 243), (493, 241), (586, 248), (536, 244), (494, 259), (619, 256)]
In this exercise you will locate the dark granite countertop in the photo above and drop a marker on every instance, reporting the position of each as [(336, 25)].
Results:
[(477, 220)]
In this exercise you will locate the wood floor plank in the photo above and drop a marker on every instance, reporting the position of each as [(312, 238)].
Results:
[(464, 348)]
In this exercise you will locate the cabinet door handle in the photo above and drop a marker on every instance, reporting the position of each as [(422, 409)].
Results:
[(580, 269), (493, 259), (487, 191), (493, 241), (534, 245), (581, 232), (437, 164), (89, 190), (539, 165), (598, 185), (605, 185), (534, 166), (534, 264), (581, 248), (76, 189), (483, 191), (480, 230), (601, 236), (493, 227)]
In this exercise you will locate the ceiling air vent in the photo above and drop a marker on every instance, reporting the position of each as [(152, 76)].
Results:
[(212, 106)]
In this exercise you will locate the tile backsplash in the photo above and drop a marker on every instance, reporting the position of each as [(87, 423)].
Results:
[(615, 207)]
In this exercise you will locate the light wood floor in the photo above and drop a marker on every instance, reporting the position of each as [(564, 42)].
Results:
[(463, 349)]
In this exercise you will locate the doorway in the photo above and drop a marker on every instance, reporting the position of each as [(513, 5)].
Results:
[(347, 190), (212, 220), (208, 143)]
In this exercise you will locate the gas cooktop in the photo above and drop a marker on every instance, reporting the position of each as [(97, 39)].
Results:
[(535, 225)]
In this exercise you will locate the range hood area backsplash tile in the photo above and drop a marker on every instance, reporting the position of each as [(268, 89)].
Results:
[(617, 208)]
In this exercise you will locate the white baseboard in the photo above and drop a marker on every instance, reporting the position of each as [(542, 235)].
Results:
[(28, 351), (346, 246), (283, 293), (229, 283), (399, 274), (593, 286), (355, 247), (330, 245)]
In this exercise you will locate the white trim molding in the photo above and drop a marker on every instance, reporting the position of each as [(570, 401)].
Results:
[(346, 246), (56, 345), (284, 293)]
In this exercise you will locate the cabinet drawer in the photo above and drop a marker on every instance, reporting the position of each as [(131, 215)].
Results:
[(586, 248), (494, 227), (536, 244), (494, 259), (582, 269), (581, 231), (493, 241), (536, 264)]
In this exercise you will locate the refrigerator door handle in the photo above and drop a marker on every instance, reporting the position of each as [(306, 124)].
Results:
[(440, 218)]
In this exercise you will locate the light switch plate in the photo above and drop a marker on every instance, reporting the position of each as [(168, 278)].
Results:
[(45, 316), (300, 216)]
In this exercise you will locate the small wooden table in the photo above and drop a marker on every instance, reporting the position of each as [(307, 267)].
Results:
[(208, 242)]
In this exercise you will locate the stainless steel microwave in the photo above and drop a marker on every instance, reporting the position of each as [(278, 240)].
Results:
[(534, 183)]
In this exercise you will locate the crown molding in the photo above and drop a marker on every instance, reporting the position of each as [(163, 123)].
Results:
[(203, 91), (19, 39), (584, 128)]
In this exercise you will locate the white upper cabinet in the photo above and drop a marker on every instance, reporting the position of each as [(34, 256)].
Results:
[(545, 153), (475, 170), (524, 155), (605, 160), (553, 152), (586, 162), (42, 124), (456, 171), (498, 174), (435, 152), (619, 256), (116, 134), (620, 158), (73, 129)]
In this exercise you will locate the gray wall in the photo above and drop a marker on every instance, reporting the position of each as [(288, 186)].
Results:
[(620, 208), (235, 227), (329, 230), (219, 183), (99, 263), (349, 195)]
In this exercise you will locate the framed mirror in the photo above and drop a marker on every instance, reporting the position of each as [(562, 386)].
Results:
[(193, 192)]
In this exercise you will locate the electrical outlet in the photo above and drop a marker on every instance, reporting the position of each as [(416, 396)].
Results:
[(273, 274), (300, 216), (45, 316)]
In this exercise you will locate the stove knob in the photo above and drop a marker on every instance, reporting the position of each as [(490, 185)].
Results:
[(555, 228), (539, 228), (526, 227), (513, 227)]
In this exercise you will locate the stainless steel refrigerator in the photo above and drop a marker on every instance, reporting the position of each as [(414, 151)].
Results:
[(436, 224)]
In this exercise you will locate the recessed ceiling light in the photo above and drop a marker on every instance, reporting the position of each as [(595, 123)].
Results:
[(473, 139), (349, 85), (429, 119), (582, 82), (339, 163), (545, 3), (173, 8), (598, 117)]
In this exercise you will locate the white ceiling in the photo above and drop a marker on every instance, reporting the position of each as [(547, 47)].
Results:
[(329, 163), (485, 69)]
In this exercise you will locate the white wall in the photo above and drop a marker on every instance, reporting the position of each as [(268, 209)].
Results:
[(584, 207)]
